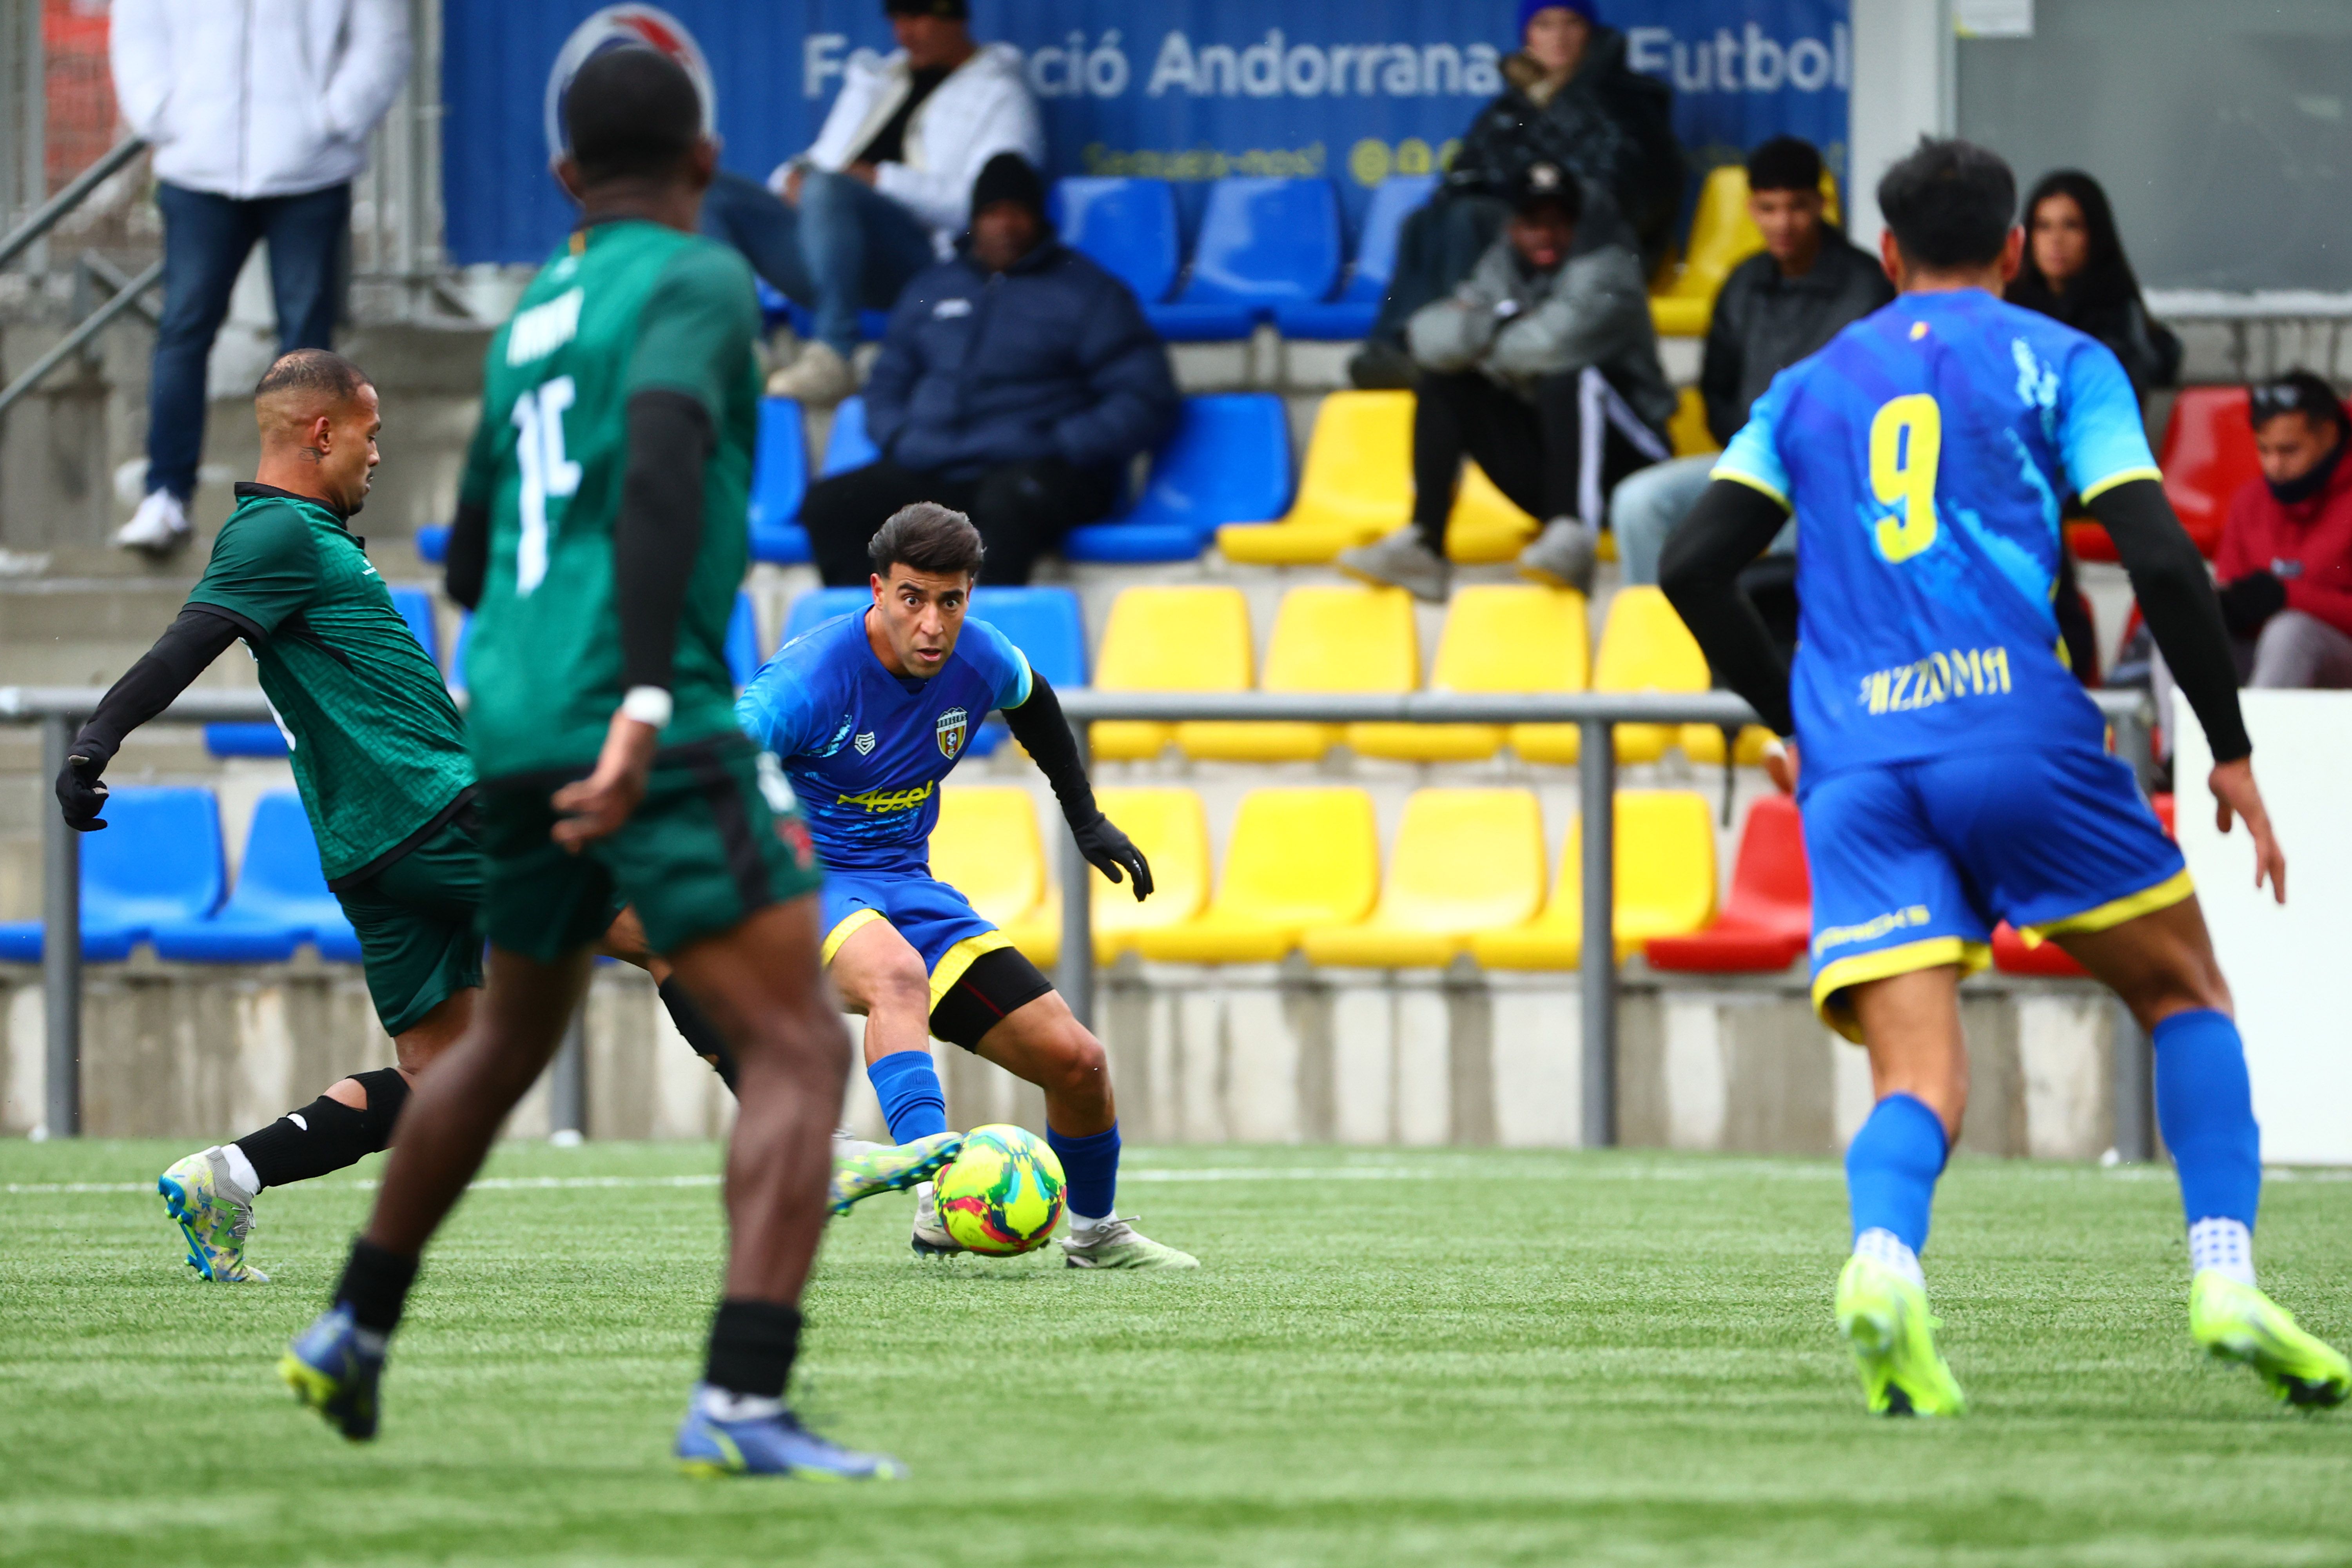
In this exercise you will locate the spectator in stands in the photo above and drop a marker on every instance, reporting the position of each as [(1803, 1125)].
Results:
[(1016, 385), (2075, 271), (882, 194), (1806, 285), (1569, 98), (2285, 558), (259, 117), (1544, 367)]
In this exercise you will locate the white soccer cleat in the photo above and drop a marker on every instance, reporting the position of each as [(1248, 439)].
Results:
[(1116, 1243), (159, 527), (931, 1238)]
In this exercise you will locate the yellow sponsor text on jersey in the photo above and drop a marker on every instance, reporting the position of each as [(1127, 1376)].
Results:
[(1938, 677), (1871, 929), (881, 800)]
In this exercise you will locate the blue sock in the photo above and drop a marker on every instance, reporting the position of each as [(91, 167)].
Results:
[(1090, 1167), (2205, 1104), (912, 1100), (1891, 1169)]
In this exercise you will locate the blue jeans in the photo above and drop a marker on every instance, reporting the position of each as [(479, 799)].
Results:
[(1648, 504), (847, 246), (206, 239)]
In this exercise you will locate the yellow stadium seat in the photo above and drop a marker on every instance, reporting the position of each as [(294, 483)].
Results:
[(1325, 638), (1168, 639), (1355, 484), (1298, 857), (1704, 744), (1644, 647), (1466, 860), (1687, 429), (1497, 637), (1172, 831), (1485, 526), (1664, 885), (987, 848), (1722, 236)]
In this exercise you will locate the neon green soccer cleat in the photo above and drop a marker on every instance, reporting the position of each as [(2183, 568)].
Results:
[(213, 1213), (2237, 1322), (1887, 1326), (890, 1168)]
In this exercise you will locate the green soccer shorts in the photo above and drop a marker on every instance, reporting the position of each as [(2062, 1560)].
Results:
[(417, 921), (700, 854)]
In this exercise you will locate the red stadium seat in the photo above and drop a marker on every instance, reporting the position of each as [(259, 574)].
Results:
[(2207, 457), (1767, 921)]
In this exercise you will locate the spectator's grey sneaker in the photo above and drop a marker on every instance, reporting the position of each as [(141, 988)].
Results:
[(1116, 1243), (931, 1238), (159, 527), (1400, 561), (1563, 554), (818, 379)]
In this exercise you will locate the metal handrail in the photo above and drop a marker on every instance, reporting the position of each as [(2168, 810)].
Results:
[(58, 709), (45, 217), (90, 327)]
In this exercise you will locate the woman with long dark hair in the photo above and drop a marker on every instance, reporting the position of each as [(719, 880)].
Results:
[(2075, 271)]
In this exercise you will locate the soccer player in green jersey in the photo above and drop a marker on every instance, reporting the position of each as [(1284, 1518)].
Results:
[(601, 529)]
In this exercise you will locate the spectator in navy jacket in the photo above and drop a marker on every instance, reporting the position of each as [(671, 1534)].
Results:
[(1016, 385)]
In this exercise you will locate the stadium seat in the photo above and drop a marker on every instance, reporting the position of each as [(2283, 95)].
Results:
[(2207, 456), (1644, 647), (416, 608), (743, 655), (1662, 879), (1126, 226), (1325, 638), (779, 480), (158, 862), (1187, 639), (1497, 637), (818, 606), (1466, 860), (1688, 431), (1172, 830), (1228, 461), (1348, 314), (280, 902), (986, 846), (1046, 626), (1722, 236), (1767, 922), (1297, 857), (2012, 955), (432, 544), (845, 445), (1262, 243)]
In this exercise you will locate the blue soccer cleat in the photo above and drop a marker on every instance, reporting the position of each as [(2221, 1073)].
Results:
[(333, 1367), (769, 1444)]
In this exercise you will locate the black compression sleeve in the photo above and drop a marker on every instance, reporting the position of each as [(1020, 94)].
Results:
[(469, 553), (1731, 525), (2176, 595), (660, 529), (1042, 731), (189, 644)]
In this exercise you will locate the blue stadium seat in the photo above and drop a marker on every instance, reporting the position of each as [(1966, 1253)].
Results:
[(280, 900), (743, 655), (264, 740), (847, 446), (1046, 626), (1228, 461), (157, 862), (416, 608), (1263, 243), (433, 544), (457, 656), (1127, 226), (779, 480), (1350, 315), (776, 311), (812, 609)]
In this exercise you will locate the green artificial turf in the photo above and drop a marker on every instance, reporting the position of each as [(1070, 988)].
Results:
[(1441, 1357)]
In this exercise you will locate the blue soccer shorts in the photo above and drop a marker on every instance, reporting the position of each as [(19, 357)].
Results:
[(936, 921), (1914, 863)]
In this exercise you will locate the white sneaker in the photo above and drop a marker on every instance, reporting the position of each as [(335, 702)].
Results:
[(931, 1238), (818, 379), (159, 527)]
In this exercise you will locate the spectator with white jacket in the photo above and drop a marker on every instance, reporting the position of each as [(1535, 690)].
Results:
[(259, 116), (886, 189)]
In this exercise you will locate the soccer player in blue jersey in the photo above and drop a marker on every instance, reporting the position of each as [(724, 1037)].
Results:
[(867, 714), (1954, 774)]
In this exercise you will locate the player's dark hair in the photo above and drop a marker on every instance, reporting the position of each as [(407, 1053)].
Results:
[(928, 536), (631, 112), (312, 370), (2298, 392), (1949, 204), (1785, 164)]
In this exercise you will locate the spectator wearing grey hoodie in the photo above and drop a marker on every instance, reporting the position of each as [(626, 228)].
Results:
[(1543, 366)]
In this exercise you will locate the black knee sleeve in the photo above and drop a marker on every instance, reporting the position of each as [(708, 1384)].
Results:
[(700, 1031), (327, 1135), (387, 1091)]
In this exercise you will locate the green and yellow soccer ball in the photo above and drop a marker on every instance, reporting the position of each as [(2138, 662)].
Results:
[(1003, 1195)]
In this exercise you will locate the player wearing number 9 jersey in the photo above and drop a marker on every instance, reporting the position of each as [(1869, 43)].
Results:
[(1954, 774)]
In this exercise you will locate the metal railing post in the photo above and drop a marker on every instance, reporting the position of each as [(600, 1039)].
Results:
[(567, 1079), (1074, 977), (2134, 1085), (66, 200), (60, 944), (1596, 777)]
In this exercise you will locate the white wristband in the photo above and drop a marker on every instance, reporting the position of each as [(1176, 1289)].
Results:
[(647, 705)]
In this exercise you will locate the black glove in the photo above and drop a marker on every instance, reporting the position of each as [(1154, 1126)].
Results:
[(1109, 850), (2248, 601), (81, 792)]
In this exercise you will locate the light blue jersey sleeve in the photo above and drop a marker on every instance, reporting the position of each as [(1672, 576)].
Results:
[(1003, 665), (1753, 458), (2100, 436), (779, 709)]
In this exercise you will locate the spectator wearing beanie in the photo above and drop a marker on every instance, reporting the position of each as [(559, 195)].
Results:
[(882, 193), (1569, 100), (1785, 302), (1016, 385), (2075, 271)]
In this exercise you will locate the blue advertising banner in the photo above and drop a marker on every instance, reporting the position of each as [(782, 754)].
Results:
[(1187, 90)]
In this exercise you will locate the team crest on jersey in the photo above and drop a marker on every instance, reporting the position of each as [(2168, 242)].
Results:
[(863, 744), (951, 730)]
